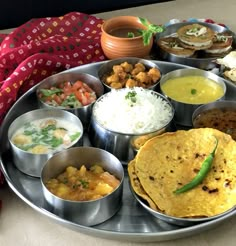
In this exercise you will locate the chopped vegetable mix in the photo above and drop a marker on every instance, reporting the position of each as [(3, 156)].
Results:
[(68, 95)]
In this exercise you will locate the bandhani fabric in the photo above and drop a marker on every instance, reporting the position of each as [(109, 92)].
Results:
[(43, 47)]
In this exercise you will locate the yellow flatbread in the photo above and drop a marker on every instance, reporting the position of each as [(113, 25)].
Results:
[(171, 160), (135, 183)]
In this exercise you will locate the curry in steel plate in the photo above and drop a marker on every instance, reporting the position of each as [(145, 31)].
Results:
[(203, 159)]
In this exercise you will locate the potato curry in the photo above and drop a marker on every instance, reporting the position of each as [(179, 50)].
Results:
[(83, 184)]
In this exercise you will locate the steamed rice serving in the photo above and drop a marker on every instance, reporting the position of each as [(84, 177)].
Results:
[(133, 111)]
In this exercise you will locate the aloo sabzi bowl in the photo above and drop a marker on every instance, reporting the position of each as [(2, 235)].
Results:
[(70, 91), (189, 88), (62, 193), (123, 120), (129, 72), (37, 135)]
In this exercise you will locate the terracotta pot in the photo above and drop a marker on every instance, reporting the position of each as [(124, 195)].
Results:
[(117, 47)]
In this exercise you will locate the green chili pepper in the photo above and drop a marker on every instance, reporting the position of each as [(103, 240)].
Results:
[(205, 168)]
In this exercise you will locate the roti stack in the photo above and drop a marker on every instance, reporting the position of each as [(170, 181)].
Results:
[(196, 36), (222, 44), (171, 160), (173, 46)]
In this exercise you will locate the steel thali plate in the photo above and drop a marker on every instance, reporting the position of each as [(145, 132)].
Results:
[(132, 222)]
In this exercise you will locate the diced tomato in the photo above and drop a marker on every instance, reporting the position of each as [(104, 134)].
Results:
[(65, 84), (57, 99), (78, 95), (87, 94), (53, 88), (63, 96), (84, 94), (87, 88), (77, 85), (48, 99), (68, 90), (84, 100)]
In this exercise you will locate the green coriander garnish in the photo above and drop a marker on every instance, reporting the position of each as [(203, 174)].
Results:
[(193, 91), (221, 38), (48, 92), (131, 35), (84, 183), (74, 136), (131, 95)]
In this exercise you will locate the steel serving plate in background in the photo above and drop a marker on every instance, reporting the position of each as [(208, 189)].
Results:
[(132, 222), (207, 63)]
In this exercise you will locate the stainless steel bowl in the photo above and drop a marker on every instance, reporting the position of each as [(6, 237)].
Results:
[(200, 61), (123, 145), (184, 111), (29, 163), (223, 118), (84, 113), (175, 220), (86, 213), (107, 68)]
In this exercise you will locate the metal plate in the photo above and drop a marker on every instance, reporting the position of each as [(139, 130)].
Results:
[(132, 222), (198, 62)]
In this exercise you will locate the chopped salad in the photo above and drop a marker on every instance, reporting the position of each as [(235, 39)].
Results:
[(68, 95)]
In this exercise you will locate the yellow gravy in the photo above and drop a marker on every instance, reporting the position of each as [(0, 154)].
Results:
[(192, 89)]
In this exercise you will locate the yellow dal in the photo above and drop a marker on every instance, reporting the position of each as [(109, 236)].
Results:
[(192, 89)]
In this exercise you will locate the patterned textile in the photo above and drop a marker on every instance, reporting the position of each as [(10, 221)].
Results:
[(42, 47)]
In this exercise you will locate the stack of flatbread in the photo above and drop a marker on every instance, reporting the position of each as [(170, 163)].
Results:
[(171, 160), (191, 38)]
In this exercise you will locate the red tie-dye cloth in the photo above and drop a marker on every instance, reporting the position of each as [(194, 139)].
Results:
[(42, 47)]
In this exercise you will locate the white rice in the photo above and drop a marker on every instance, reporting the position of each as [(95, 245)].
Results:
[(149, 113)]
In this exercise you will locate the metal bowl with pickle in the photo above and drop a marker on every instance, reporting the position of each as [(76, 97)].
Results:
[(220, 115)]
